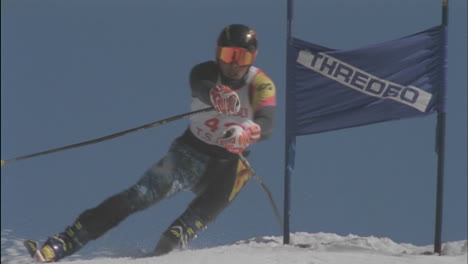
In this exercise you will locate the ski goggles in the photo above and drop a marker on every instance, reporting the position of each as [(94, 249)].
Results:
[(240, 56)]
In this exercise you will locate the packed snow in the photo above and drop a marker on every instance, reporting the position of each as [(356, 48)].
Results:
[(305, 248)]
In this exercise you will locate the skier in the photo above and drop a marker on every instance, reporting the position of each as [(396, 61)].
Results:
[(204, 159)]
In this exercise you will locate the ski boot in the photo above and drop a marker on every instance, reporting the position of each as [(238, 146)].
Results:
[(178, 234), (59, 246)]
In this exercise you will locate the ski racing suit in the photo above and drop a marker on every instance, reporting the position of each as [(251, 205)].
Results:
[(193, 162)]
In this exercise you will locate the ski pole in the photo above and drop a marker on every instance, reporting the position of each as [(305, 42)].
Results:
[(264, 187), (118, 134)]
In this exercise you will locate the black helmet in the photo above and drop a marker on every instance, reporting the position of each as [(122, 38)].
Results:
[(237, 35)]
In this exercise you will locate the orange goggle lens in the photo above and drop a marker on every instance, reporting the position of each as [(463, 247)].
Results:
[(240, 56)]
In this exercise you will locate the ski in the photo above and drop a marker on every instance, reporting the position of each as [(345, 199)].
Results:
[(32, 247)]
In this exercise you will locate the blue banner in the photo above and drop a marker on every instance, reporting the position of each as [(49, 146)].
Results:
[(333, 89)]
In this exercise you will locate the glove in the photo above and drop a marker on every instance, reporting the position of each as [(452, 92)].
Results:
[(224, 100), (236, 139), (254, 131)]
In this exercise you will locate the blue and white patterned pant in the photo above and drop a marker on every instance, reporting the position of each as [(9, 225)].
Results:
[(216, 182)]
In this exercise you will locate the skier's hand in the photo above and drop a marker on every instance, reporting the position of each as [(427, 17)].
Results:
[(254, 131), (224, 100), (237, 138)]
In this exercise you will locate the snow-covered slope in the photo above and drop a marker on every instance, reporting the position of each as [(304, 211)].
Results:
[(319, 248)]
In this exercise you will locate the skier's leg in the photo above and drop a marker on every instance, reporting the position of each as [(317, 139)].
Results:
[(160, 181), (94, 222), (224, 179)]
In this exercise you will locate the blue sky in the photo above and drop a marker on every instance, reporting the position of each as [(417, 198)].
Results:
[(77, 70)]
